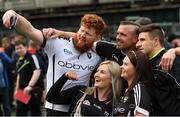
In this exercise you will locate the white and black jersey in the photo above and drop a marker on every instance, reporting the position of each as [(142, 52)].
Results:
[(63, 57), (139, 100)]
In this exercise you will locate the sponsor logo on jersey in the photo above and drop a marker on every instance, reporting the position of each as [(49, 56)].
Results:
[(115, 57), (66, 51), (119, 110), (75, 66)]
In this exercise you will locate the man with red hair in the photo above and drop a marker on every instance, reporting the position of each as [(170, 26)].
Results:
[(64, 55)]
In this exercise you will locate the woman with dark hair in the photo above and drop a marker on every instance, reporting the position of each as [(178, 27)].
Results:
[(90, 101), (136, 70)]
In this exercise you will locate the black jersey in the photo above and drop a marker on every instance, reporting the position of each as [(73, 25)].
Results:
[(108, 51), (139, 100), (25, 68), (166, 89), (91, 106)]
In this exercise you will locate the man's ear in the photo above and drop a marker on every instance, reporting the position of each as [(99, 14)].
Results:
[(135, 39), (156, 41)]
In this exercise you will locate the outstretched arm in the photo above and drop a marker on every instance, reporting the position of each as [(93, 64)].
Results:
[(22, 26), (168, 58), (51, 33), (56, 96)]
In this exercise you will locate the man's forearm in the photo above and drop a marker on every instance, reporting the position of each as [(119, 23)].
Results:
[(67, 34), (35, 77), (24, 26), (17, 83)]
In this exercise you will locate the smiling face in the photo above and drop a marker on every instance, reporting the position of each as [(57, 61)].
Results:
[(85, 39), (126, 37), (102, 77), (128, 70)]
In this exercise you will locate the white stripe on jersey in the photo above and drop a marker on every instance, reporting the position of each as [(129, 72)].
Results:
[(137, 94), (137, 98), (141, 110), (36, 62)]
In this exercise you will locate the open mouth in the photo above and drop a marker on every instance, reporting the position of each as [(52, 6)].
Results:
[(97, 80)]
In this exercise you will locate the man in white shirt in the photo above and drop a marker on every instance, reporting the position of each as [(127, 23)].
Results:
[(73, 54)]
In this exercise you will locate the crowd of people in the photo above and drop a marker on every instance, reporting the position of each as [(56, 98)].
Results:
[(78, 74)]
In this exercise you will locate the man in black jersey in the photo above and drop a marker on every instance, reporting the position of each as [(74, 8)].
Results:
[(29, 80), (150, 42)]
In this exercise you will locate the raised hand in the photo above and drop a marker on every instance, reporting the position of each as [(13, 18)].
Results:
[(51, 33), (167, 60), (7, 18), (71, 75)]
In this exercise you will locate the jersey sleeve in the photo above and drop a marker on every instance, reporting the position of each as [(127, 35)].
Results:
[(104, 49), (142, 100), (34, 62), (56, 96), (176, 69), (44, 40)]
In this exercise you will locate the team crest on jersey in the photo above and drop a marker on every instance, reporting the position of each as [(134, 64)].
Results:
[(115, 57), (86, 102), (89, 55), (125, 99)]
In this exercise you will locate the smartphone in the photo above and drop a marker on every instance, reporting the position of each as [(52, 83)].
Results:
[(13, 21)]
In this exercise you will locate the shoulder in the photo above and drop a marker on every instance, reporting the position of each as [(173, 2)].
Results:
[(140, 91), (57, 41), (105, 43)]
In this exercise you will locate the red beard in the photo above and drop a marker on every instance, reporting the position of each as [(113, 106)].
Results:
[(81, 46)]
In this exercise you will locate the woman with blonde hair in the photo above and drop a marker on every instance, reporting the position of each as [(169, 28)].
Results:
[(90, 101)]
